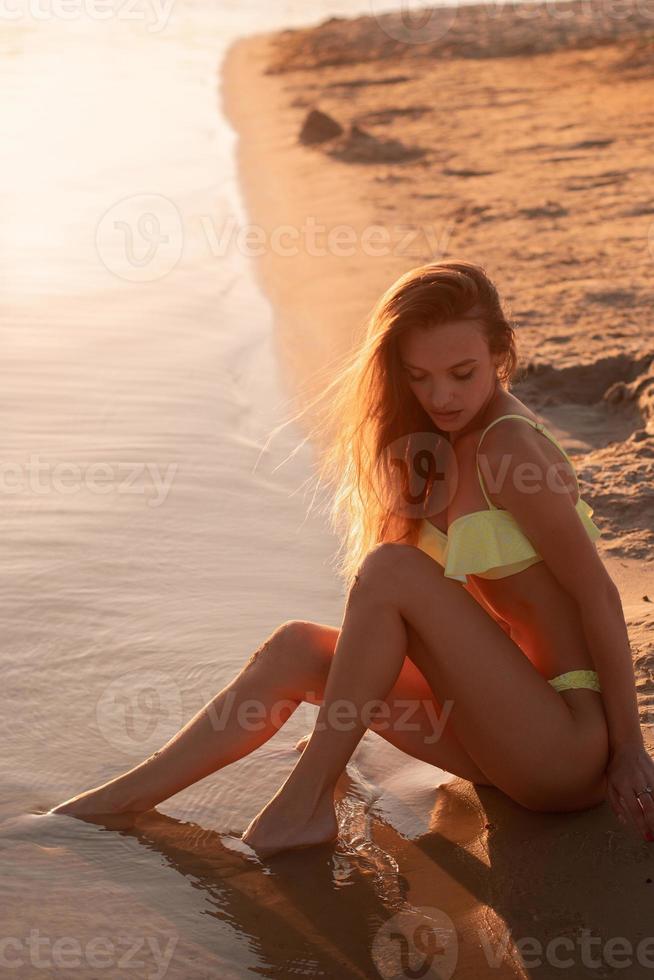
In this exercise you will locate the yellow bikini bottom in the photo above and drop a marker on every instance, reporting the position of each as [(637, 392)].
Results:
[(576, 678)]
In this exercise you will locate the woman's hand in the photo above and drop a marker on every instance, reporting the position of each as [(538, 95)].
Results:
[(629, 771)]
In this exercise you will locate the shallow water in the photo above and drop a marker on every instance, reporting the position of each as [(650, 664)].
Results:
[(144, 556)]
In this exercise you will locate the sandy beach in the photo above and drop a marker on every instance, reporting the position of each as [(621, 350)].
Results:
[(521, 141)]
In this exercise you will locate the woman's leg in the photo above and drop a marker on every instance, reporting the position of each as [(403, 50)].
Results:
[(367, 661), (290, 667), (410, 717), (240, 718), (521, 733)]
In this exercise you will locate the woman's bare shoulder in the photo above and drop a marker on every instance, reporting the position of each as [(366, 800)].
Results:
[(470, 440)]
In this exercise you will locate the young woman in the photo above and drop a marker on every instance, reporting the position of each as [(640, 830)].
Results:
[(476, 596)]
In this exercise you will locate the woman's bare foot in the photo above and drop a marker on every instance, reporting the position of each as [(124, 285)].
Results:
[(95, 803), (286, 823)]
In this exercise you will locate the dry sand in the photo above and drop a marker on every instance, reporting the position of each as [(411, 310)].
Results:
[(521, 141)]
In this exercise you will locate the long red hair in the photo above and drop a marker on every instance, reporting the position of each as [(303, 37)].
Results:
[(370, 407)]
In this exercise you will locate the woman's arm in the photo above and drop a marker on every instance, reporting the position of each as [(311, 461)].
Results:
[(543, 507), (531, 490), (630, 769), (608, 642)]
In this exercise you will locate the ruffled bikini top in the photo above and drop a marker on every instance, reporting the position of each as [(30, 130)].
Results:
[(490, 543)]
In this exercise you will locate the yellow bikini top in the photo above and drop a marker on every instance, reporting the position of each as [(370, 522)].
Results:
[(490, 543)]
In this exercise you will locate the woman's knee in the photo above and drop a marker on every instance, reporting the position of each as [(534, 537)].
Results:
[(377, 571), (302, 645)]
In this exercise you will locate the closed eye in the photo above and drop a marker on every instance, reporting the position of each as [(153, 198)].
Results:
[(459, 377)]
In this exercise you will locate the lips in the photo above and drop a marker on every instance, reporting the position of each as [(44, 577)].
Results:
[(445, 415)]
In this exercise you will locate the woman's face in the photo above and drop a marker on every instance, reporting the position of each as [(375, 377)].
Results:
[(450, 369)]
